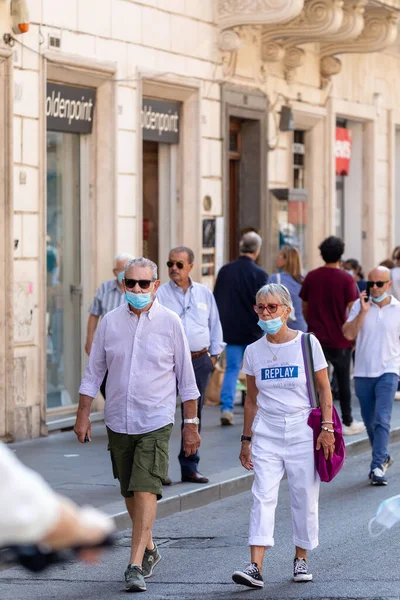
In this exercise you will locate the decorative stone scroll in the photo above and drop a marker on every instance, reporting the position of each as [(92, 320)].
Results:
[(379, 32)]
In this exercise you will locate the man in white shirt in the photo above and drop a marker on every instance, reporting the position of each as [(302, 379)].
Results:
[(375, 321), (144, 347), (194, 303)]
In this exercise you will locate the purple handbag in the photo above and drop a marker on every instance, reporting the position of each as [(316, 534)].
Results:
[(327, 469)]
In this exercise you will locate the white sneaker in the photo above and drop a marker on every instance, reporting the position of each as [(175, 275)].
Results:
[(397, 396), (353, 429)]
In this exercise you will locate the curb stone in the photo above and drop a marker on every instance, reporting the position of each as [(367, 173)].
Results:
[(223, 489)]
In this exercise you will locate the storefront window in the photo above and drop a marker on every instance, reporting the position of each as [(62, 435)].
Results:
[(63, 319)]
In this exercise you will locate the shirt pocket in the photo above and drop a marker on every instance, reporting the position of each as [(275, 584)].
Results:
[(159, 348)]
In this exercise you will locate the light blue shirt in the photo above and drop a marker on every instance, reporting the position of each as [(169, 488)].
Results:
[(198, 312)]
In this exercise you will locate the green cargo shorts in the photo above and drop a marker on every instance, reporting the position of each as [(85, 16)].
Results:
[(140, 461)]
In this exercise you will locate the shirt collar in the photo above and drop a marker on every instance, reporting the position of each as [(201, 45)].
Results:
[(176, 287)]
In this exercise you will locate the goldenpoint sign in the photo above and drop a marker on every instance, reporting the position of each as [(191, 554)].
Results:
[(69, 108), (160, 121)]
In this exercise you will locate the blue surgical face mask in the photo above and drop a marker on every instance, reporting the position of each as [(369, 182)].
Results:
[(121, 276), (138, 301), (387, 515), (272, 326), (350, 272), (381, 298)]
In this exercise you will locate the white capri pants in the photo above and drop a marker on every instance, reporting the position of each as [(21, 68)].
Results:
[(279, 444)]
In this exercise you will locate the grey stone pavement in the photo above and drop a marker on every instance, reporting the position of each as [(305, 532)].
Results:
[(201, 547), (83, 471)]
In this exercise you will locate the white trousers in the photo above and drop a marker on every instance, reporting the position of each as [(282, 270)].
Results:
[(281, 444)]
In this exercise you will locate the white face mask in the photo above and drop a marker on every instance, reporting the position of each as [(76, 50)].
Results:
[(350, 272), (387, 515)]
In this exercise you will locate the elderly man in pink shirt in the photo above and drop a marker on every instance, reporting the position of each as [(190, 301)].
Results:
[(144, 347)]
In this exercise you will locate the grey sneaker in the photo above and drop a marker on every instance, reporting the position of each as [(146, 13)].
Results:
[(134, 580), (151, 558), (300, 570), (226, 418)]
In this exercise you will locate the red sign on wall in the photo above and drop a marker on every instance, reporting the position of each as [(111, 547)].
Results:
[(343, 151)]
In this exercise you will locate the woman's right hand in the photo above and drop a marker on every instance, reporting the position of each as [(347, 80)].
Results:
[(245, 456)]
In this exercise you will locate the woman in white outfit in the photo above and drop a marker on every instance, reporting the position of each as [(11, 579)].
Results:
[(276, 436)]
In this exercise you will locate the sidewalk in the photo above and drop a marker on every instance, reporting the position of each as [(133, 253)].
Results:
[(83, 472)]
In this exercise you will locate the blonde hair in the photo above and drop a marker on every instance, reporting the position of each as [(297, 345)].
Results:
[(293, 262)]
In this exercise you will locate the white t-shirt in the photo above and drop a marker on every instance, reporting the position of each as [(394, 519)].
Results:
[(281, 383), (378, 341)]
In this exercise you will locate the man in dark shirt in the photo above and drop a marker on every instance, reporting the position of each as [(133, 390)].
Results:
[(328, 293), (235, 294)]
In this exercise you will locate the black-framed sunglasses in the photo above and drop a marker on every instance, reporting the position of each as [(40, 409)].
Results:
[(379, 284), (178, 263), (144, 284)]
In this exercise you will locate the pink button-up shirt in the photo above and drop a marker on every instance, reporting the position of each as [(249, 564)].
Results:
[(146, 357)]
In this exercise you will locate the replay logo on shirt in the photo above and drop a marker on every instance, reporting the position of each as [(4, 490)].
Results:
[(279, 373)]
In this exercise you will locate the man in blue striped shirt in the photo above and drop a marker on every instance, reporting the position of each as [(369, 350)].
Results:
[(194, 303), (110, 295)]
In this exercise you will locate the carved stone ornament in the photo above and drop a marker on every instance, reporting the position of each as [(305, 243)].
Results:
[(229, 41), (294, 58), (232, 13), (380, 31), (318, 19)]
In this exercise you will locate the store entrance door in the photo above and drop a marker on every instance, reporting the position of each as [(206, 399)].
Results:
[(63, 259)]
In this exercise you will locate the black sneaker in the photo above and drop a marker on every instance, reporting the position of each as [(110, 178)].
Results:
[(250, 576), (300, 570), (151, 558), (134, 580), (378, 477)]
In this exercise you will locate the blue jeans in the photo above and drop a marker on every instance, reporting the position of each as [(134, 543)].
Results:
[(376, 396), (234, 358)]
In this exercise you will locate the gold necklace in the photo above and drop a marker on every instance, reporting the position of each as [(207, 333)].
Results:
[(275, 354)]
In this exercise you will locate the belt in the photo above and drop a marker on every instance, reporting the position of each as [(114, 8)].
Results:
[(199, 353)]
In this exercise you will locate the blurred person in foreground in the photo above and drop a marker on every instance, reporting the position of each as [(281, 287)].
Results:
[(32, 514), (195, 305), (328, 293), (396, 275), (289, 261), (353, 268), (110, 295), (374, 322), (144, 347), (235, 292), (276, 435)]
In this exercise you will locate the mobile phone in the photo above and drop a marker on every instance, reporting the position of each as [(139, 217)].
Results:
[(368, 290), (86, 438)]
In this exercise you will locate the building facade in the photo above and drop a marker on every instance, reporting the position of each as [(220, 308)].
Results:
[(137, 125)]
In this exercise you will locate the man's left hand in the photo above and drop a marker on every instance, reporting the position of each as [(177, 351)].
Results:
[(214, 360), (191, 439)]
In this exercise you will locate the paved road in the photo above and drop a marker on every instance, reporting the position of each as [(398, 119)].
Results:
[(201, 548)]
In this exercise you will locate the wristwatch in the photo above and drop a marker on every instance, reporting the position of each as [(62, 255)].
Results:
[(245, 438), (194, 421)]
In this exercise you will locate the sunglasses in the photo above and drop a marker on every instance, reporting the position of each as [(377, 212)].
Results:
[(379, 284), (144, 284), (178, 263), (271, 308)]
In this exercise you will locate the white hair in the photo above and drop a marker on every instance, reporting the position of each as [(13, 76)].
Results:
[(250, 243), (278, 290), (143, 262), (122, 257)]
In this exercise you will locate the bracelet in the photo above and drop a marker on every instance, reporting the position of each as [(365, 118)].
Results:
[(330, 422), (327, 429)]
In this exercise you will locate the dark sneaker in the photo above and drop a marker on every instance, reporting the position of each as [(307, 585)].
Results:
[(134, 580), (151, 558), (300, 570), (378, 477), (388, 463), (250, 576)]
